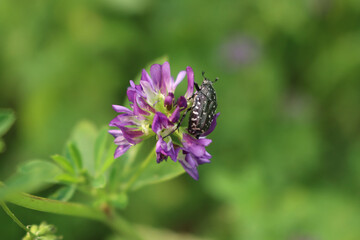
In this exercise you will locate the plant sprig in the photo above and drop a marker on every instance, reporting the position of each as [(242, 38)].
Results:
[(87, 165)]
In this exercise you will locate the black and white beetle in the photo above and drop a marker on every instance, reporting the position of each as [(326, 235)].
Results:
[(203, 109)]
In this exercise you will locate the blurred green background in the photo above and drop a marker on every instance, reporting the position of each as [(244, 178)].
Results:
[(286, 152)]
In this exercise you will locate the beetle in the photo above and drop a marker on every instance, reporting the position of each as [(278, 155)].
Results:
[(203, 109)]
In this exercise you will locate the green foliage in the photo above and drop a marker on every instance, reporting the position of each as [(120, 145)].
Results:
[(64, 193), (64, 163), (72, 153), (82, 146), (7, 118), (31, 176), (157, 173), (88, 163), (286, 150), (134, 170)]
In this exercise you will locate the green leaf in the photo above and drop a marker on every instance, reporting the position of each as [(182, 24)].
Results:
[(158, 172), (84, 135), (31, 176), (2, 145), (67, 178), (7, 118), (138, 168), (109, 160), (43, 170), (127, 6), (64, 193), (101, 143), (125, 167), (99, 182), (64, 163), (74, 154), (119, 201)]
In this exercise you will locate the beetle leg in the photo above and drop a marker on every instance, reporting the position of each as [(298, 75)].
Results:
[(197, 87), (178, 125)]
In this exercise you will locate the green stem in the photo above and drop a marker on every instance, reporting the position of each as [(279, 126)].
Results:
[(117, 223), (133, 152), (111, 219), (54, 206), (12, 216), (140, 170)]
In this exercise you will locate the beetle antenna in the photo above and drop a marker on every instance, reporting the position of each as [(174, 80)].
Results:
[(216, 79), (203, 74)]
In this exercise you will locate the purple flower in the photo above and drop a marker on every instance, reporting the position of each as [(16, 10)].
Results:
[(193, 151), (165, 149), (160, 123), (154, 111), (194, 154)]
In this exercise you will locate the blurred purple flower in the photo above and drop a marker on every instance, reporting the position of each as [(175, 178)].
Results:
[(239, 50), (154, 111)]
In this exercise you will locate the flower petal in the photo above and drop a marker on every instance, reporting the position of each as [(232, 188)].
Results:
[(133, 91), (166, 79), (137, 109), (131, 135), (179, 79), (124, 119), (149, 92), (155, 72), (120, 150), (144, 105), (191, 160), (175, 116), (204, 141), (190, 77), (160, 122), (164, 150), (204, 159), (192, 171), (193, 145), (168, 102), (115, 133), (181, 102), (119, 108), (145, 77)]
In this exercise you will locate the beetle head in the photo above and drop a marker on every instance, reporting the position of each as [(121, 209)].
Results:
[(208, 81)]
